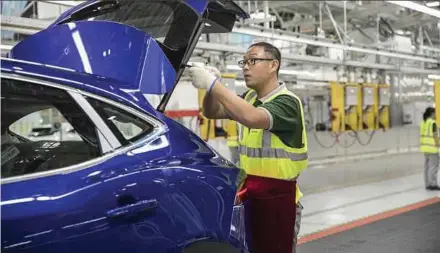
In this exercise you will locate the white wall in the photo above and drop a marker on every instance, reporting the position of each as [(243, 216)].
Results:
[(49, 10), (185, 97)]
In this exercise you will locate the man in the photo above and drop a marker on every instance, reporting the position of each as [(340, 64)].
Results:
[(272, 145), (429, 144)]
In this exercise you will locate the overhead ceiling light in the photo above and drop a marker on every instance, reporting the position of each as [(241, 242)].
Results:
[(433, 4), (434, 77), (417, 7)]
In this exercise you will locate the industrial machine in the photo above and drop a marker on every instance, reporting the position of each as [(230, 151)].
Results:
[(358, 107), (370, 107), (337, 107), (384, 106), (353, 107), (346, 106)]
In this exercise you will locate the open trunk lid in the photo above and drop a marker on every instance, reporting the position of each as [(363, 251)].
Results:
[(144, 44)]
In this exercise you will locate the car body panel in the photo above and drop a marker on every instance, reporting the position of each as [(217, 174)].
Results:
[(66, 212), (99, 48), (171, 189)]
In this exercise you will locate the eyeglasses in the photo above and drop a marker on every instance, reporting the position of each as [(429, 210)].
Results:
[(252, 61)]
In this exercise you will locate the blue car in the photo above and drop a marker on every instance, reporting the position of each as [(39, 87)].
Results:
[(129, 179)]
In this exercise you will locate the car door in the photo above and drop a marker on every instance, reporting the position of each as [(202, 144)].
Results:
[(86, 194)]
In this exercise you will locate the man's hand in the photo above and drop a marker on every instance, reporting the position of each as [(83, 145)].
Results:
[(203, 77), (213, 70)]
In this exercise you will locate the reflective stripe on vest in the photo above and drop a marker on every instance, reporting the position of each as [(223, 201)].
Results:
[(264, 154), (427, 141)]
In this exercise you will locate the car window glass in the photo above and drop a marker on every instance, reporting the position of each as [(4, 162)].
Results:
[(42, 129), (171, 23), (47, 124), (126, 126)]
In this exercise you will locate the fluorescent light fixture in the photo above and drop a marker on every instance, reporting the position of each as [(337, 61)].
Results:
[(417, 7), (433, 4), (434, 77)]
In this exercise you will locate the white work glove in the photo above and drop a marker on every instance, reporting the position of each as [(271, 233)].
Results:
[(213, 70), (203, 77)]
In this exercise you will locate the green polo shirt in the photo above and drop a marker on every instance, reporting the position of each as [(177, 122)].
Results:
[(285, 117)]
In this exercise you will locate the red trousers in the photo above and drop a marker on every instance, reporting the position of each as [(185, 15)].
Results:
[(270, 214)]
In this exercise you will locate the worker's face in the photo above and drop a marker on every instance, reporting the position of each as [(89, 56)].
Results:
[(258, 67)]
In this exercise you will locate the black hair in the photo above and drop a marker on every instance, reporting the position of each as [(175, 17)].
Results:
[(428, 113), (270, 49)]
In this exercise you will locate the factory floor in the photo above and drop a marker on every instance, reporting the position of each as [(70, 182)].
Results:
[(367, 200), (375, 205)]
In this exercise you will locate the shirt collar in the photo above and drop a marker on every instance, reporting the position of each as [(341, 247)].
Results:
[(273, 92)]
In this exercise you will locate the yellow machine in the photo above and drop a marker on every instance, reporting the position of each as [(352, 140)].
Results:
[(370, 101), (384, 106), (437, 101), (346, 106), (337, 107), (353, 107)]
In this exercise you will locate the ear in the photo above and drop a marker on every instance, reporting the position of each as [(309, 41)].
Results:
[(274, 65)]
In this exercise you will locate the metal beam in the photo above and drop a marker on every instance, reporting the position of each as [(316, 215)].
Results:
[(292, 37), (417, 7), (279, 18), (335, 25), (427, 37), (318, 60), (35, 25)]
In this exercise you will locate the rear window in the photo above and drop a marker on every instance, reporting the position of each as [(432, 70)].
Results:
[(169, 22), (126, 127)]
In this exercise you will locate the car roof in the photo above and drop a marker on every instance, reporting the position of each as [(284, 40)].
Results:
[(98, 85)]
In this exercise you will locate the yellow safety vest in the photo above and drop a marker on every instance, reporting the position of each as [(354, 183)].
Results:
[(427, 141), (264, 154)]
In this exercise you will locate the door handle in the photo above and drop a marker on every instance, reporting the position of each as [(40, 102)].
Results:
[(141, 206)]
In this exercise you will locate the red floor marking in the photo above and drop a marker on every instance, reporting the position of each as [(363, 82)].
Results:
[(366, 220)]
